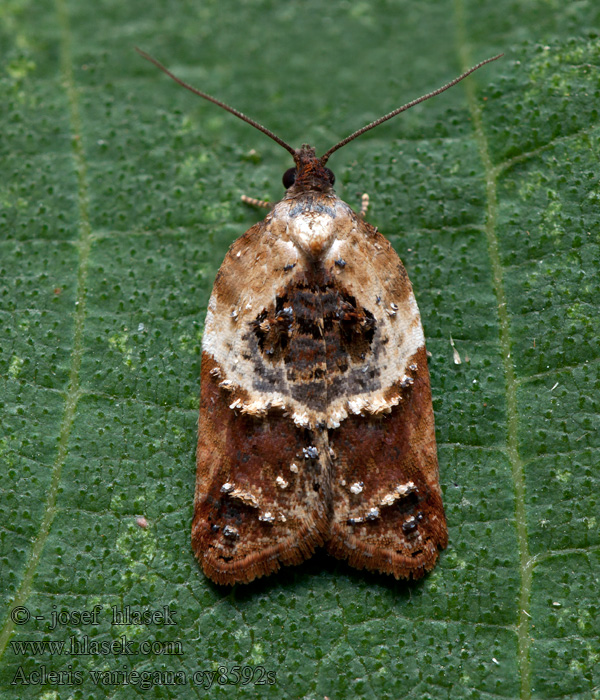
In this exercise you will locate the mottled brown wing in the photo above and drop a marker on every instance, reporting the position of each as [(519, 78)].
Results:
[(256, 505), (262, 486), (388, 514), (388, 511)]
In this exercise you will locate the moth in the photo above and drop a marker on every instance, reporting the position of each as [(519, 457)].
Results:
[(316, 424)]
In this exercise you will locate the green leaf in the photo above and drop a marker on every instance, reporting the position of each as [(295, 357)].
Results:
[(119, 197)]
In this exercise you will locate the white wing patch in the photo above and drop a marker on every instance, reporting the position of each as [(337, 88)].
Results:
[(362, 261)]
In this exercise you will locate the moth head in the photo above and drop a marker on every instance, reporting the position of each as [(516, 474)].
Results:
[(309, 174)]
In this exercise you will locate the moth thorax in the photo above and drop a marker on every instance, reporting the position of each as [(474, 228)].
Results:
[(313, 232)]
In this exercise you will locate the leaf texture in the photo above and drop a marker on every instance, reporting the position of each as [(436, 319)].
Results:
[(118, 199)]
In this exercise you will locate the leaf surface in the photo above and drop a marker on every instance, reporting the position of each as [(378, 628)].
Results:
[(119, 197)]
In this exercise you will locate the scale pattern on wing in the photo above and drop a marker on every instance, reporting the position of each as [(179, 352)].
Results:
[(316, 426)]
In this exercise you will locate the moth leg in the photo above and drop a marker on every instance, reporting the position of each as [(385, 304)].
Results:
[(256, 202), (364, 205)]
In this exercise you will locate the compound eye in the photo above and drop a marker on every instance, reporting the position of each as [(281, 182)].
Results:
[(289, 177), (330, 175)]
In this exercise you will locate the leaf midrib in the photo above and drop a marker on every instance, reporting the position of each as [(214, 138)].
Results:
[(73, 391), (526, 563)]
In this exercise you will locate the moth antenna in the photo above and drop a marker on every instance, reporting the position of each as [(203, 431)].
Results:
[(214, 100), (408, 105)]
